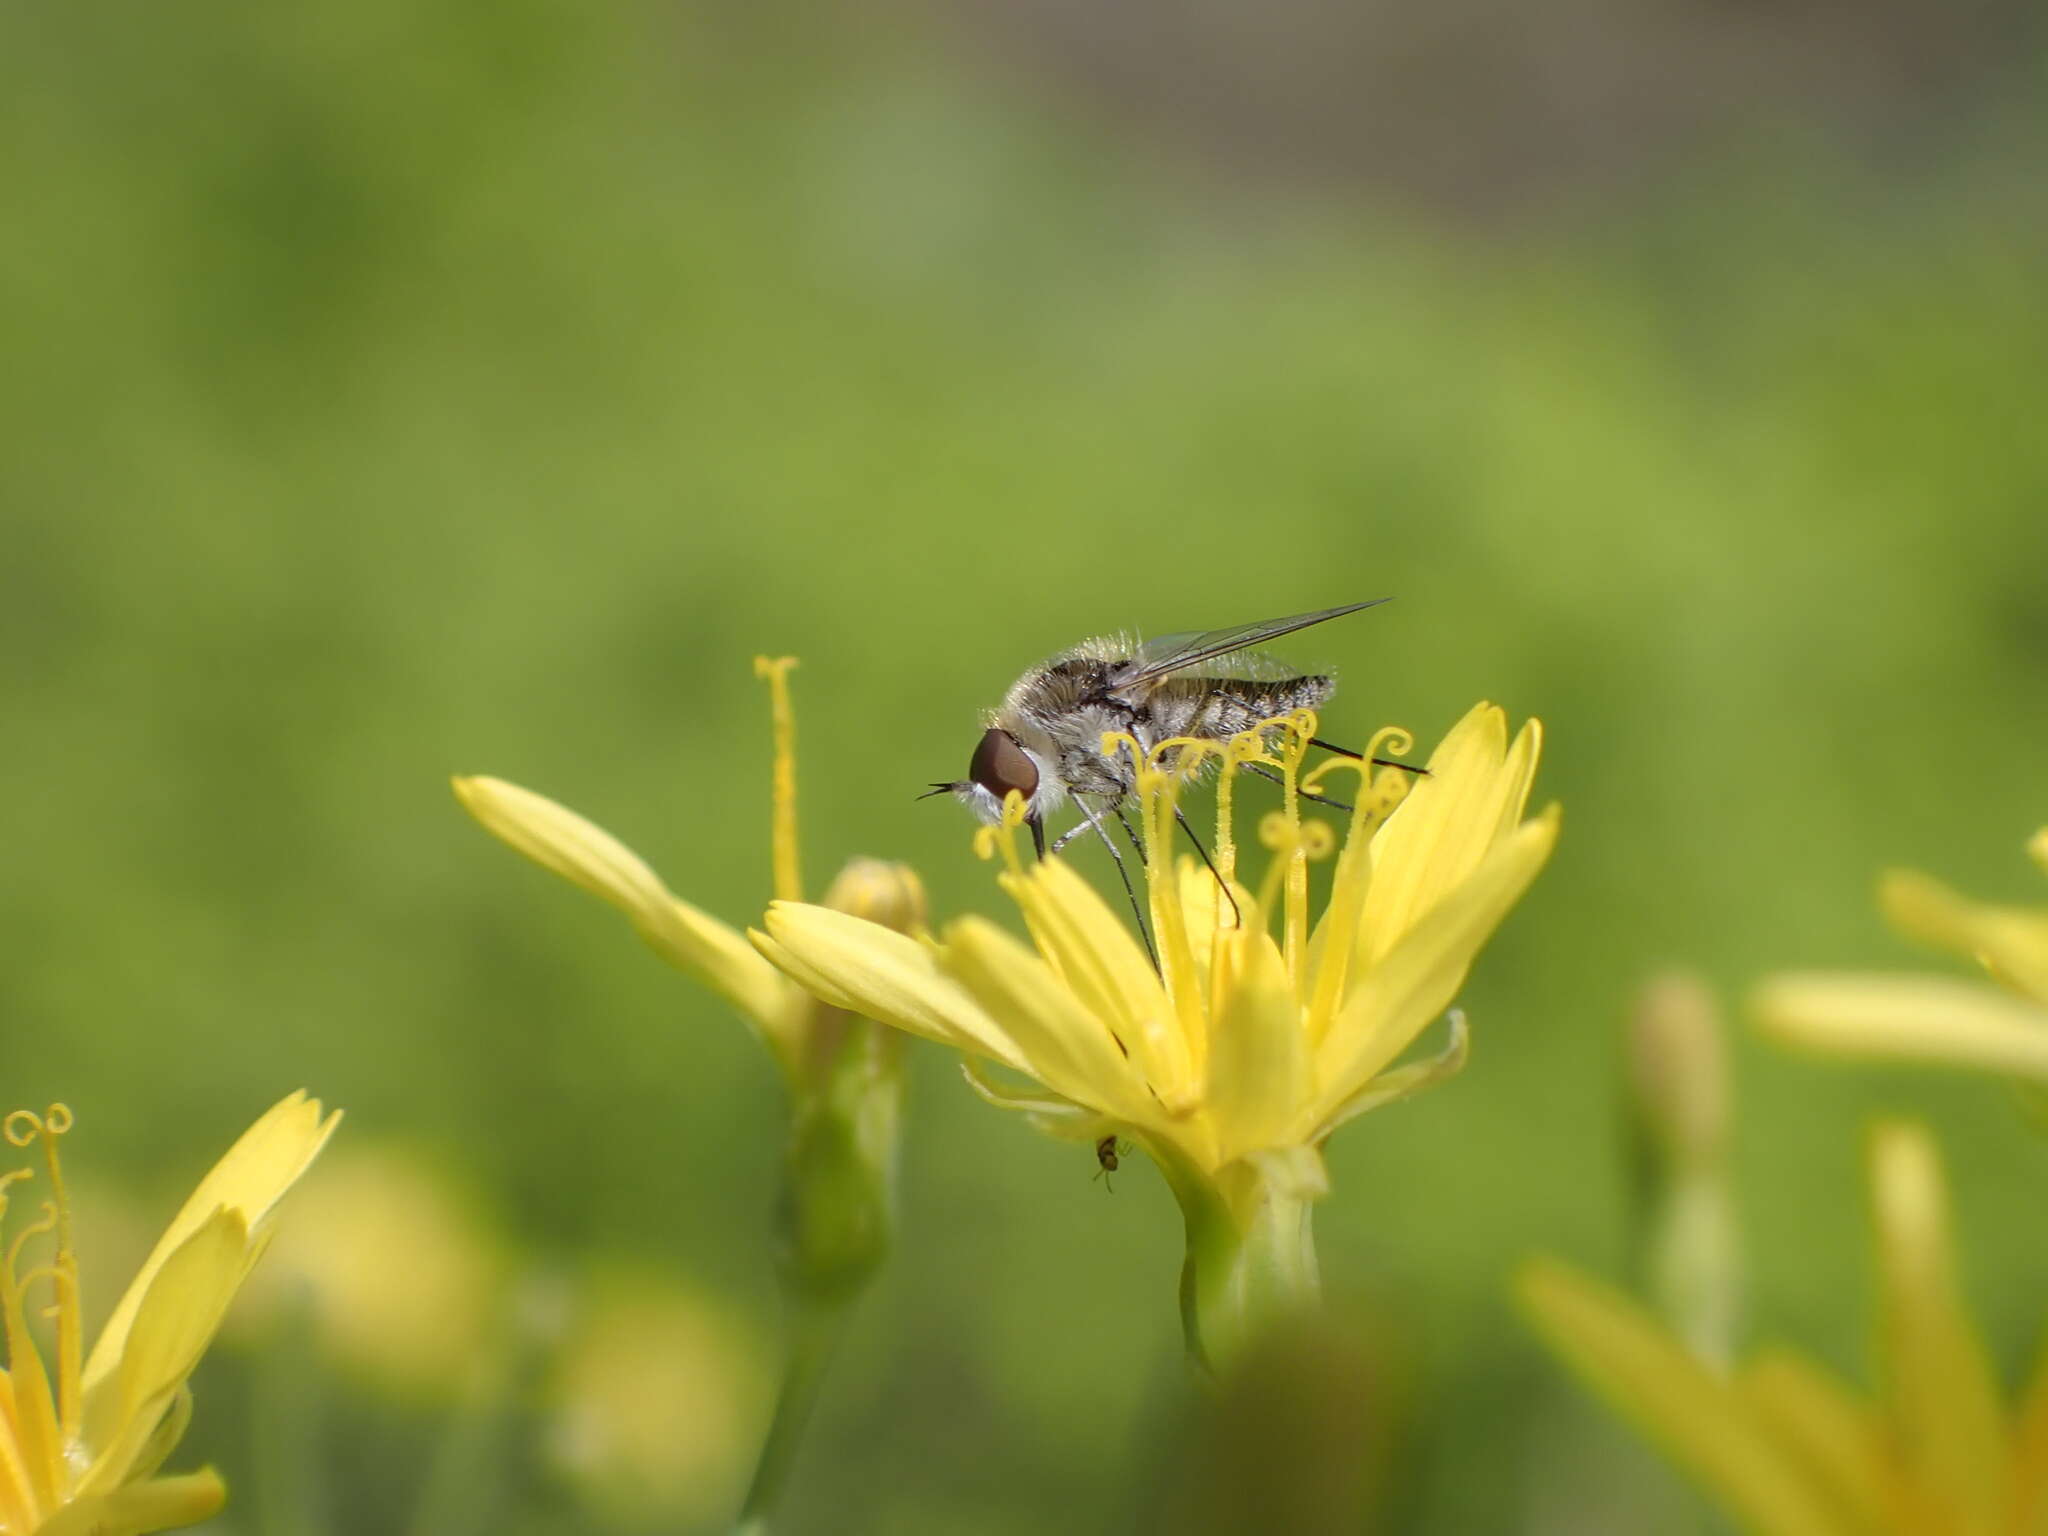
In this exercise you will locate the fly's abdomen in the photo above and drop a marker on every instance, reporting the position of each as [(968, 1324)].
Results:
[(1231, 705)]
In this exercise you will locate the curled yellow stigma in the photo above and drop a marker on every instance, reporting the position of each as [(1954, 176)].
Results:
[(33, 1471)]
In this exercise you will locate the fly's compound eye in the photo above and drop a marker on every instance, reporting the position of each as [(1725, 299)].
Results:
[(1000, 765)]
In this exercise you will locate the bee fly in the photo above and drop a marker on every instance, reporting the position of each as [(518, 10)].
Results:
[(1045, 739)]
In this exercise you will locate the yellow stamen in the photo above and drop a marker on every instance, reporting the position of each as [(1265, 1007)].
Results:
[(64, 1272), (37, 1434), (1242, 750), (1372, 803), (1161, 774), (18, 1508), (774, 670), (1278, 839), (1295, 731), (1002, 837)]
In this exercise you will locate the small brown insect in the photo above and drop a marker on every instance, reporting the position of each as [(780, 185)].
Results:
[(1109, 1153)]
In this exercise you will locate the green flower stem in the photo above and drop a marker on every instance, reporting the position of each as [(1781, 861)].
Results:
[(814, 1331), (465, 1492), (837, 1221), (288, 1495), (1251, 1253)]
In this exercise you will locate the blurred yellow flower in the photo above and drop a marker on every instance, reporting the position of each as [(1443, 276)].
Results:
[(655, 1396), (79, 1456), (1786, 1447), (416, 1325), (1931, 1019), (1681, 1092), (1235, 1059)]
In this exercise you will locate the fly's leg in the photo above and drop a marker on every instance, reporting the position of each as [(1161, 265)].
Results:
[(1221, 884), (1307, 794), (1094, 820), (1137, 842), (1377, 762)]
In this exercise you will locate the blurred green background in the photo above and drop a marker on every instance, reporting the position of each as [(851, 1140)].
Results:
[(395, 390)]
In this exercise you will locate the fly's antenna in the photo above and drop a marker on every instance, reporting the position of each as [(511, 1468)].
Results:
[(1091, 820), (1137, 842), (1360, 757), (1315, 797)]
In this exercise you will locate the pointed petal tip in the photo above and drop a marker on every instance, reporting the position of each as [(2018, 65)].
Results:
[(1935, 1020), (473, 789)]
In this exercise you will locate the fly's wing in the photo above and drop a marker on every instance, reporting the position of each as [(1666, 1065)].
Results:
[(1168, 654)]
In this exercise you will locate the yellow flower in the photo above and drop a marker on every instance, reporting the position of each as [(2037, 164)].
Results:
[(796, 1031), (837, 1209), (1247, 1047), (79, 1456), (1933, 1019), (1790, 1450), (1681, 1092)]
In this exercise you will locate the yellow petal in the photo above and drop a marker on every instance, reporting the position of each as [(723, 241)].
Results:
[(161, 1504), (164, 1439), (1066, 1047), (175, 1322), (1398, 998), (1404, 1082), (583, 853), (1649, 1377), (880, 974), (2011, 941), (1944, 1407), (1089, 943), (249, 1180), (1258, 1079), (1519, 775), (1074, 1121), (1441, 831), (1200, 899), (2030, 1452), (719, 956), (2037, 849), (1838, 1438), (1905, 1017), (558, 839)]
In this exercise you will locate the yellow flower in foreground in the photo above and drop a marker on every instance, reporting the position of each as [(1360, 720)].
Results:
[(1786, 1447), (1264, 1027), (1932, 1019), (79, 1455)]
